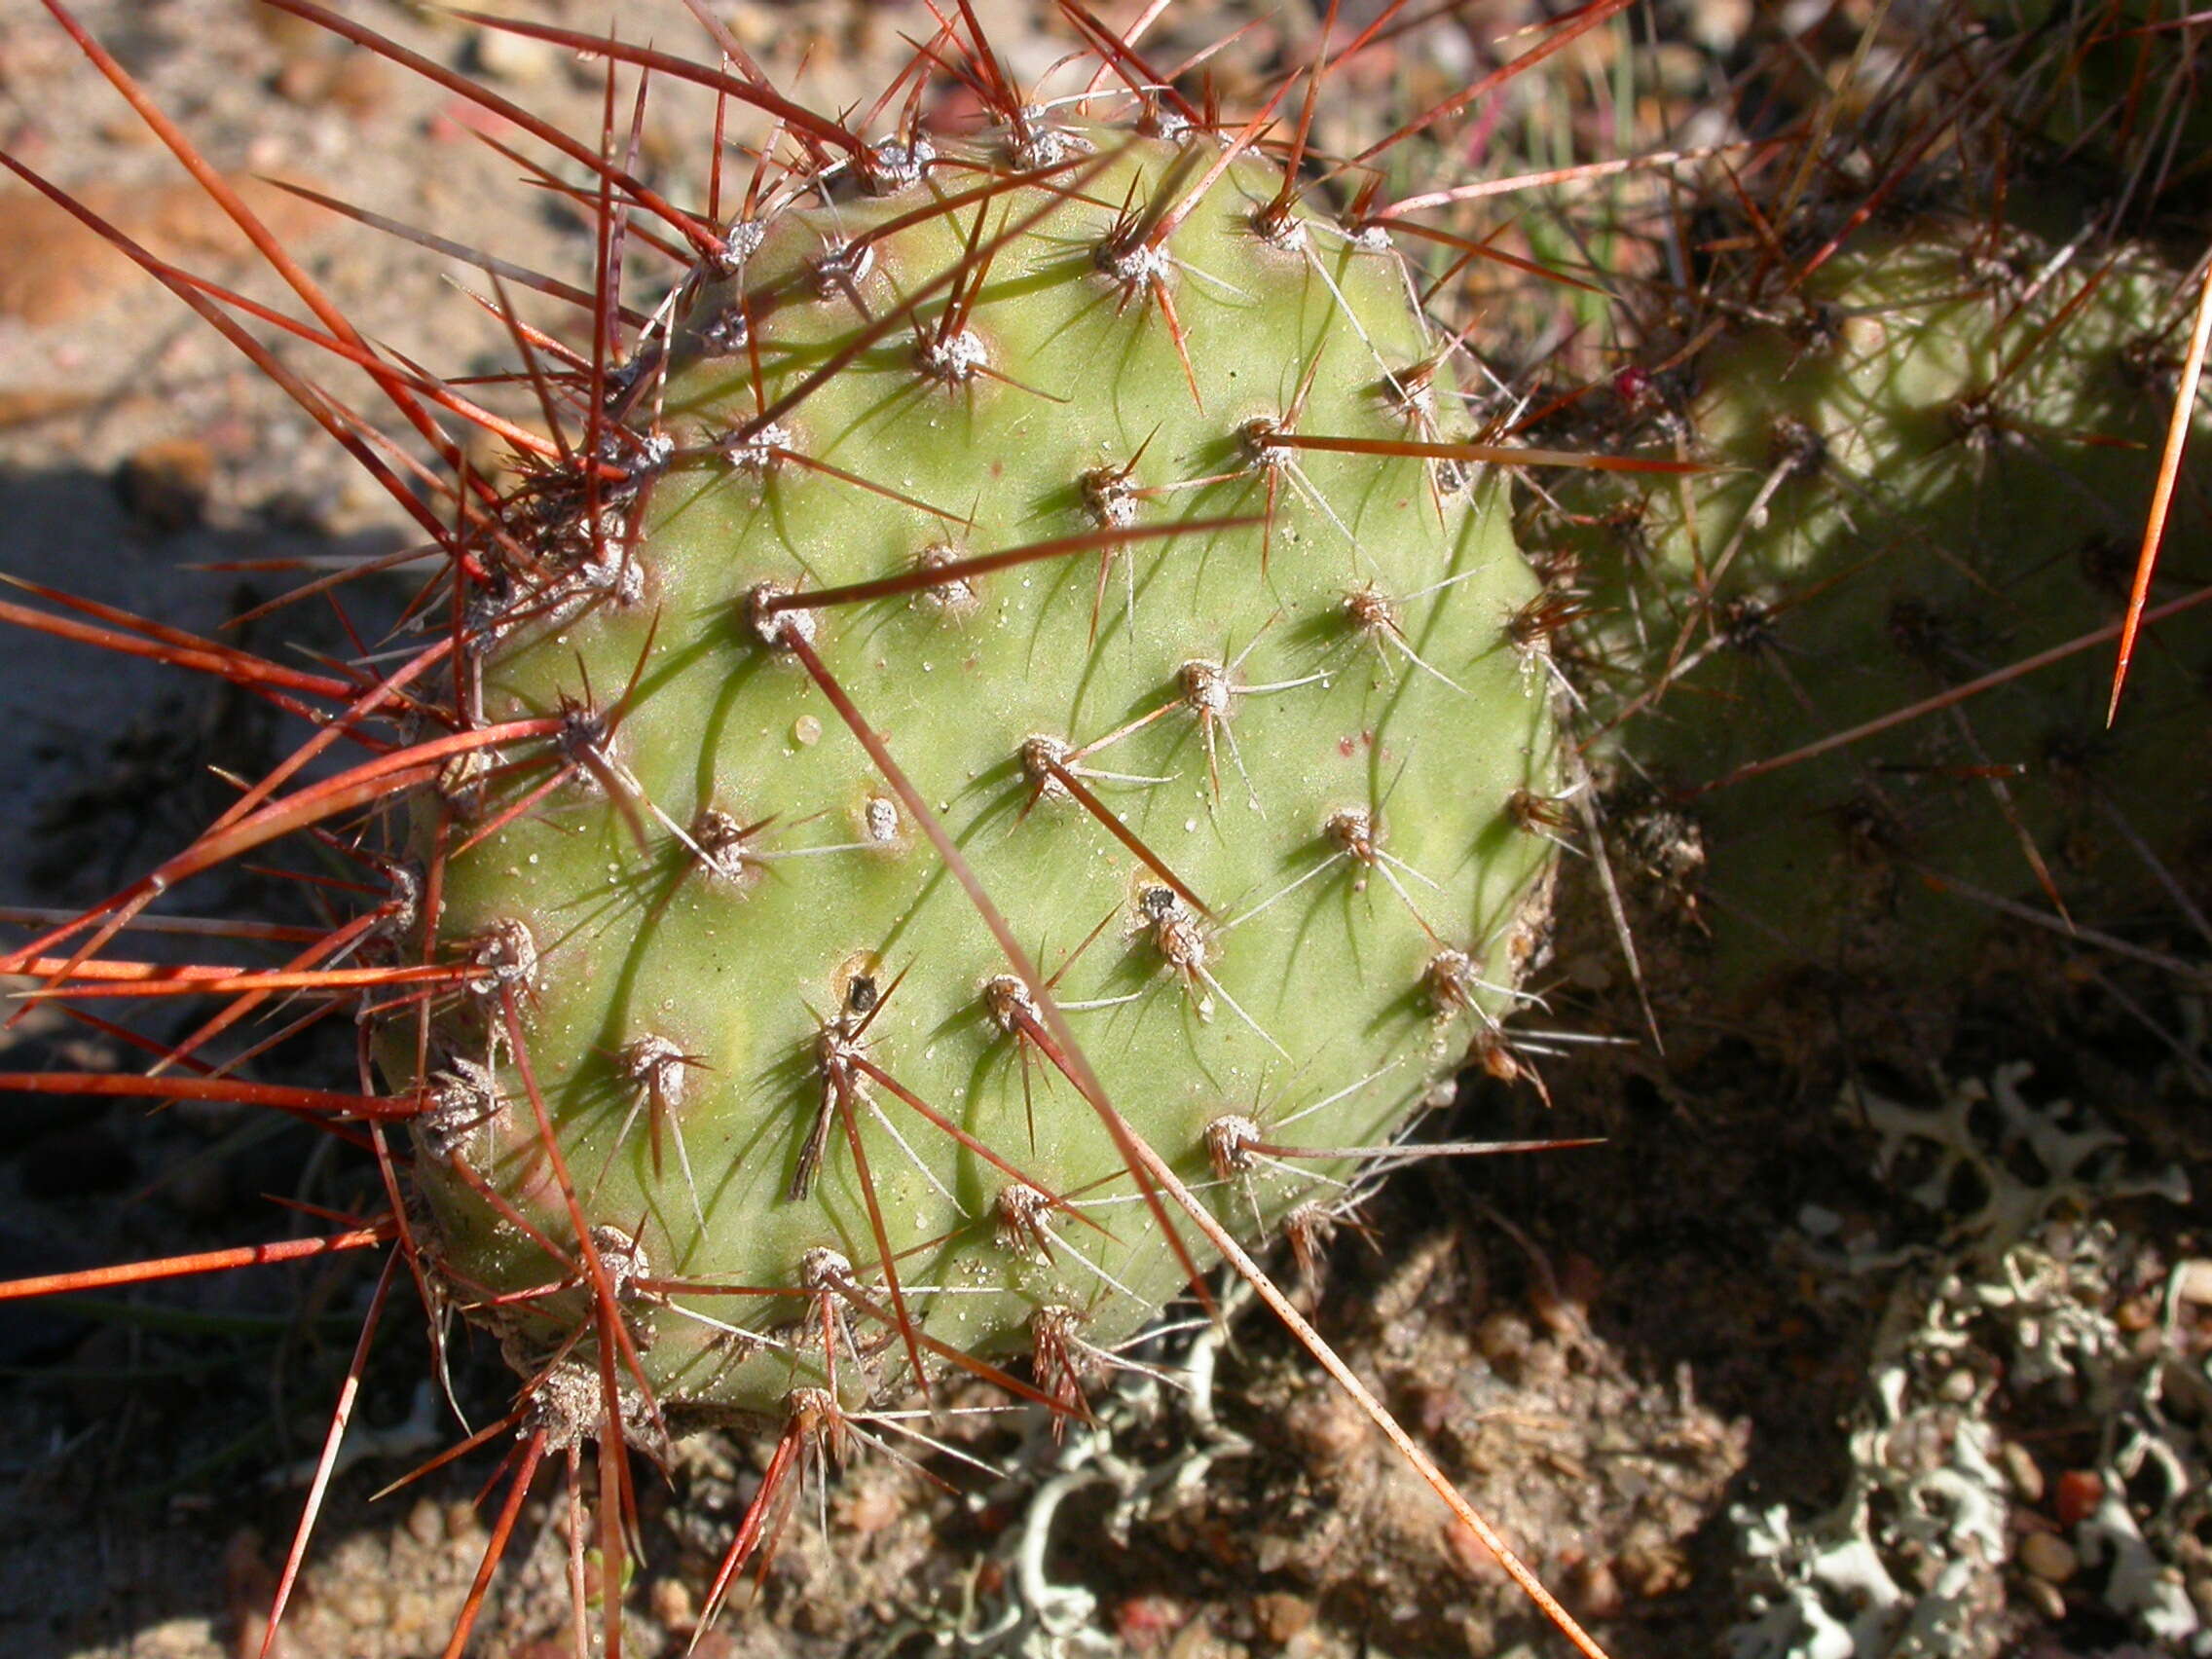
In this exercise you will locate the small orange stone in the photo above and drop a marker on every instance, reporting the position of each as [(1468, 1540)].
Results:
[(2077, 1496)]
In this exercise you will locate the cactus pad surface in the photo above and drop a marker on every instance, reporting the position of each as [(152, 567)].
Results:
[(1072, 461)]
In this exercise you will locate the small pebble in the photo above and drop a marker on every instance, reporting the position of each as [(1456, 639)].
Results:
[(1197, 1640), (417, 1622), (515, 58), (2022, 1470), (363, 1608), (2078, 1495), (464, 1531), (1503, 1337), (1327, 1428), (301, 80), (1680, 70), (672, 1607), (426, 1523), (360, 84), (2044, 1599), (1590, 973), (873, 1507), (2193, 1282), (356, 84), (1470, 1555), (2049, 1556), (176, 1639), (54, 268), (1718, 25), (1281, 1615), (1596, 1591), (1147, 1624)]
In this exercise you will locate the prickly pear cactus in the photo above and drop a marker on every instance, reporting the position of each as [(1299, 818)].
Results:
[(1844, 679), (1062, 469)]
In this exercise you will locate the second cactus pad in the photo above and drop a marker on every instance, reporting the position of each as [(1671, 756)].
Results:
[(1853, 678), (1080, 471)]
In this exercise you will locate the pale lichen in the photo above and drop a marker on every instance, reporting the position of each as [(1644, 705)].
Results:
[(2019, 1302)]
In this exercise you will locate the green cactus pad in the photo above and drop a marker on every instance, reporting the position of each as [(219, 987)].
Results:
[(1936, 473), (728, 950)]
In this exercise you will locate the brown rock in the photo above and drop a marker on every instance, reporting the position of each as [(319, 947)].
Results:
[(2049, 1556), (2078, 1493), (1597, 1590), (357, 83), (673, 1606), (2022, 1470), (1281, 1615)]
